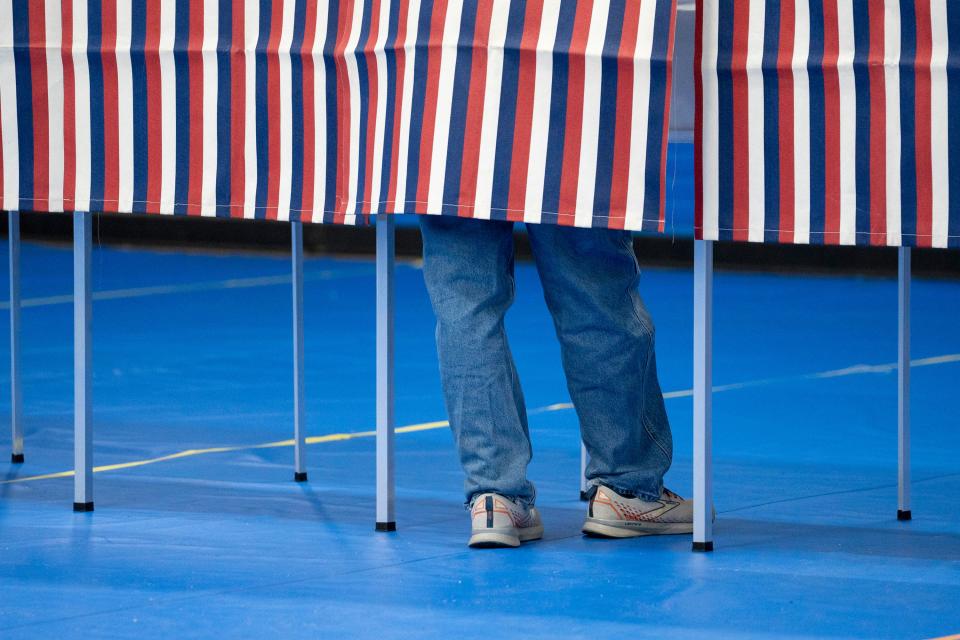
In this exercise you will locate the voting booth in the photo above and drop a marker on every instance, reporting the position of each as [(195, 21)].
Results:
[(822, 122), (816, 122), (317, 111), (527, 110)]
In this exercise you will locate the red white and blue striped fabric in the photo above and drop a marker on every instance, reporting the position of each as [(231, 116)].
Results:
[(826, 121), (534, 110)]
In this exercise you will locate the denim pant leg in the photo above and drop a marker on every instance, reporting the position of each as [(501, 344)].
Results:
[(590, 279), (468, 269)]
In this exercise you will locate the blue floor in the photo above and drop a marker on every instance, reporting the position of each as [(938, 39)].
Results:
[(194, 352)]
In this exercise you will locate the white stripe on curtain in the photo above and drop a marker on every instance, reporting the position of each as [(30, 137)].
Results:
[(211, 74), (801, 123), (891, 49), (286, 113), (940, 114), (848, 124), (755, 120), (444, 102), (639, 131), (168, 107), (542, 92), (590, 131), (251, 32), (124, 109), (491, 109), (319, 114), (82, 106), (54, 39), (8, 112), (711, 121), (353, 77)]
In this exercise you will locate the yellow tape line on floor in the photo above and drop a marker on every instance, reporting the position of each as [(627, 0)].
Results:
[(333, 437), (562, 406)]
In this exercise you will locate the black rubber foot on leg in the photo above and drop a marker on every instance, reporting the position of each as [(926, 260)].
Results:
[(83, 507), (584, 496), (386, 526), (299, 476), (16, 458), (904, 515), (703, 546)]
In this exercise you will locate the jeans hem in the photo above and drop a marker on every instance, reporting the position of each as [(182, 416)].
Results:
[(526, 503), (622, 491)]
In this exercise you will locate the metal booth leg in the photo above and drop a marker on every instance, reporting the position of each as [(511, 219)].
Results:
[(16, 397), (82, 365), (584, 489), (903, 386), (299, 411), (702, 395), (386, 516)]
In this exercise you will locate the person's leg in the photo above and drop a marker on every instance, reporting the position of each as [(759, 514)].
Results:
[(468, 269), (590, 279)]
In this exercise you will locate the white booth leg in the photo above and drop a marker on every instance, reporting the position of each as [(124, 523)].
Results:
[(82, 365), (903, 386), (299, 411), (702, 395), (584, 489), (386, 517), (16, 397)]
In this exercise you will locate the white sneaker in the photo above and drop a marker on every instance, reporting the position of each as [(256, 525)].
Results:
[(501, 522), (611, 515)]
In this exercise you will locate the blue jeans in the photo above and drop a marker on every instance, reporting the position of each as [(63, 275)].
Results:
[(590, 279)]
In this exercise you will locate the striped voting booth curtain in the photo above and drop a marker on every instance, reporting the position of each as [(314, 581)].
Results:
[(829, 121), (323, 111)]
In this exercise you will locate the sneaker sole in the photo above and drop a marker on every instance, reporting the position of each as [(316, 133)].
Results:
[(608, 529), (499, 538)]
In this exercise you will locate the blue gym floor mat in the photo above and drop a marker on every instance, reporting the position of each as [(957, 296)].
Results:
[(193, 352)]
